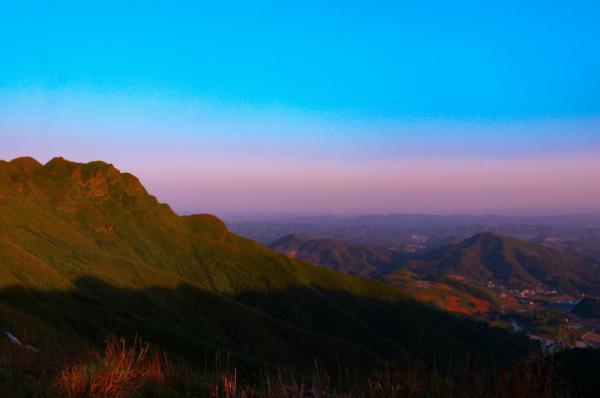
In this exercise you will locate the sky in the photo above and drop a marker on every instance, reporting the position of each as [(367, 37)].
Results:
[(241, 108)]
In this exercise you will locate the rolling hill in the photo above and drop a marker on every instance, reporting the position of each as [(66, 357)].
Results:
[(350, 258), (85, 251), (489, 256)]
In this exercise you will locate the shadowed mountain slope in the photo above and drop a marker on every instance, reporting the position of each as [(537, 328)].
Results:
[(84, 249)]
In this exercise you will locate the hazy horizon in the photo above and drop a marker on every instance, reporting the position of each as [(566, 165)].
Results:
[(321, 109), (175, 195)]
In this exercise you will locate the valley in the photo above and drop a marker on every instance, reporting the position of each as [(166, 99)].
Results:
[(530, 287)]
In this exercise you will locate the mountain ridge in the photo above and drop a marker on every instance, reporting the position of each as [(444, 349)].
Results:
[(84, 246)]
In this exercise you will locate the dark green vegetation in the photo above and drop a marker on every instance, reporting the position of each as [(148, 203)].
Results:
[(589, 307), (488, 256), (579, 368), (350, 258), (85, 251)]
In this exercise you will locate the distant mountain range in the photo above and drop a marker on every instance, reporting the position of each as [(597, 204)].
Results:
[(479, 259), (414, 233), (85, 251)]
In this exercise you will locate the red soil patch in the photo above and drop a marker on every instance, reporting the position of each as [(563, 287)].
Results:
[(453, 304), (445, 297), (478, 305)]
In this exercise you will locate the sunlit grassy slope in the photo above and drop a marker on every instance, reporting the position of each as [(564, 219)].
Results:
[(85, 250)]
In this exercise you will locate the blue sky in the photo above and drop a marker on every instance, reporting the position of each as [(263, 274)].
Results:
[(263, 85), (390, 59)]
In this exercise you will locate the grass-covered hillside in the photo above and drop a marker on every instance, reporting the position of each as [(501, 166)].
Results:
[(85, 252)]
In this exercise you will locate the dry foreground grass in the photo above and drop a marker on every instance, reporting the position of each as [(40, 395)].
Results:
[(136, 369)]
